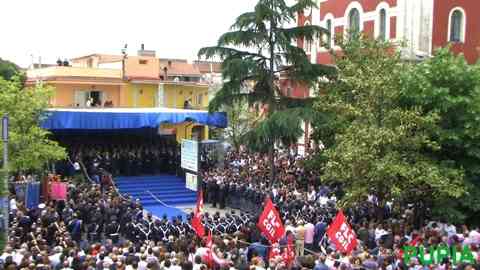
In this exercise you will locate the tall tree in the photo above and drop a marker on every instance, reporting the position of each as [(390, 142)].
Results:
[(29, 146), (8, 70), (379, 146), (260, 47), (449, 87)]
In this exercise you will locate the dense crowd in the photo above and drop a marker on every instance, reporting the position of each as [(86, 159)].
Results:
[(142, 158), (97, 228)]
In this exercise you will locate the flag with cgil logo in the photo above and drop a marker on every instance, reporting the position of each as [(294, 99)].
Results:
[(270, 224), (341, 234)]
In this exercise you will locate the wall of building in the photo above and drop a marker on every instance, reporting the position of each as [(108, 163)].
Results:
[(64, 94), (141, 95), (471, 47), (175, 95), (184, 130), (142, 67)]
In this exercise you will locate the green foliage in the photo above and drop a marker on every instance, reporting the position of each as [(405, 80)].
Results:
[(29, 146), (447, 86), (240, 121), (9, 70), (375, 144), (256, 51)]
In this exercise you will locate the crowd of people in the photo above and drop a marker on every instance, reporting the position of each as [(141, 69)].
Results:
[(97, 228), (144, 157)]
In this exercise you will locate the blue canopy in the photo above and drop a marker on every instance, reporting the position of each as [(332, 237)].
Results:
[(123, 118)]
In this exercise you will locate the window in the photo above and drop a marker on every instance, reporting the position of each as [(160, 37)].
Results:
[(457, 26), (383, 24), (354, 21), (330, 34), (199, 100), (308, 46), (142, 62)]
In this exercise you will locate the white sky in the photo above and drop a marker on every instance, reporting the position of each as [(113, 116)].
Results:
[(72, 28)]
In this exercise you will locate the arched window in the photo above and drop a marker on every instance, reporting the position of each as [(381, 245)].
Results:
[(457, 24), (354, 21), (330, 34), (383, 24), (307, 44)]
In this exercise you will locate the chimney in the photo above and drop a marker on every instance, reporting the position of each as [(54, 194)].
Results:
[(165, 74), (147, 53), (169, 63)]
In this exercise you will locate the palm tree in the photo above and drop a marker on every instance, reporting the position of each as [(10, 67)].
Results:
[(260, 47)]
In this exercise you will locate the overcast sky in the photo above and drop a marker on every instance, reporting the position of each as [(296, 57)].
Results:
[(72, 28)]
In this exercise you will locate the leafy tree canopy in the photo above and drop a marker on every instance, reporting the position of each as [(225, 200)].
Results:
[(29, 146), (449, 87), (8, 70), (376, 144), (257, 50)]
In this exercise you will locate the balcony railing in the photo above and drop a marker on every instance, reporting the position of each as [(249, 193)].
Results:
[(61, 71)]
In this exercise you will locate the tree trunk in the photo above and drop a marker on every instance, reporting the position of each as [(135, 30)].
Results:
[(271, 157)]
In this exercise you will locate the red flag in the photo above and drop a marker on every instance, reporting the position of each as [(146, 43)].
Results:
[(209, 258), (289, 254), (416, 241), (197, 216), (270, 224), (274, 251), (341, 234)]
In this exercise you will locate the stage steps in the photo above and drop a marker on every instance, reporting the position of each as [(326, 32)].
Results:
[(169, 189)]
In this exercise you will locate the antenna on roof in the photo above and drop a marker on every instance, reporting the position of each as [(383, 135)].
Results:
[(124, 50)]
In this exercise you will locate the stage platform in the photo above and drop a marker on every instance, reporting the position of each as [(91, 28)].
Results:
[(159, 194)]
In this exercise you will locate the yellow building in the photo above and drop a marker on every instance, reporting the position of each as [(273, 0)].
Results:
[(142, 81)]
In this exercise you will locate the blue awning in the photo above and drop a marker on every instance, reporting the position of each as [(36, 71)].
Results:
[(123, 118)]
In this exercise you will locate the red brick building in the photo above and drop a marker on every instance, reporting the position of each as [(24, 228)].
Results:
[(423, 25)]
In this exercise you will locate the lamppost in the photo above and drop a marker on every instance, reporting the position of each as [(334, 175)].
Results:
[(4, 196)]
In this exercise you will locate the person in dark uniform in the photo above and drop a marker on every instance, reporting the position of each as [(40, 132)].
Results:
[(222, 193), (112, 231)]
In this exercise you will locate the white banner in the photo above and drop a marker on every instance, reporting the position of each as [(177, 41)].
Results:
[(191, 181), (189, 158)]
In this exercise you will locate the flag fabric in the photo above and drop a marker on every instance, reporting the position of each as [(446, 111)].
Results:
[(32, 195), (341, 234), (209, 257), (270, 224), (289, 253), (20, 190), (58, 191), (416, 241), (274, 251), (197, 216)]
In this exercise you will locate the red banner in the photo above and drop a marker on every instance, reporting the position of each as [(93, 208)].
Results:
[(341, 234), (289, 254), (270, 224), (197, 216)]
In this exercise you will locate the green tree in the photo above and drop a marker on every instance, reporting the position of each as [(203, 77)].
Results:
[(240, 121), (260, 47), (449, 87), (29, 146), (8, 70), (381, 147)]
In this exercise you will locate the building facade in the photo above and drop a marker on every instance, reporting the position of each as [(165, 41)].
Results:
[(140, 81), (422, 25)]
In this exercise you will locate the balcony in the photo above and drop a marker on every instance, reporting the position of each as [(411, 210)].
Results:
[(56, 72)]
